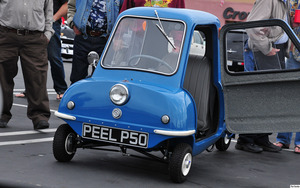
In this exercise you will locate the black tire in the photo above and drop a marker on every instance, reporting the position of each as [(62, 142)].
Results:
[(181, 154), (223, 143), (64, 143)]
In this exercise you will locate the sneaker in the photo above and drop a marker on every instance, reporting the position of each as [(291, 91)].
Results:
[(269, 147), (248, 147)]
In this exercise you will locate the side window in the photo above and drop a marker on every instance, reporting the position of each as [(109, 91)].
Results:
[(198, 43), (197, 37), (260, 49)]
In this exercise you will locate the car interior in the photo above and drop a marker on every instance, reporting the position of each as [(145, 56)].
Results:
[(199, 83)]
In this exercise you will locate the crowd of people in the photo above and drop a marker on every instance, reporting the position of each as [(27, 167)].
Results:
[(37, 31)]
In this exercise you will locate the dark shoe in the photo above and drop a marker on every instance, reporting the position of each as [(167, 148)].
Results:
[(269, 147), (248, 147), (41, 125), (3, 123)]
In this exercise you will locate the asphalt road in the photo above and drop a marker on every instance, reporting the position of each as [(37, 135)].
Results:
[(26, 160)]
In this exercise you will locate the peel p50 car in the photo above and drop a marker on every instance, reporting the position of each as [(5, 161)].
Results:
[(149, 93)]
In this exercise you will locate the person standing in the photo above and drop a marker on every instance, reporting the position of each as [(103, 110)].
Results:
[(261, 41), (60, 9), (92, 22), (149, 3), (25, 31), (283, 140), (270, 45)]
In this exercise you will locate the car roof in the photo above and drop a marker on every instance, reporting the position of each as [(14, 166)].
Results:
[(187, 15)]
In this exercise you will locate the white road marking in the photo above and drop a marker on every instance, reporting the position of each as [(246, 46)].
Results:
[(17, 133), (50, 91), (24, 90), (25, 106), (26, 141)]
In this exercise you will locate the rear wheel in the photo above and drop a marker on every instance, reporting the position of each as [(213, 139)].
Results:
[(223, 143), (180, 162), (64, 143)]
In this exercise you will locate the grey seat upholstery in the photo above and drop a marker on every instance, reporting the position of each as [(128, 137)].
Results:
[(198, 81)]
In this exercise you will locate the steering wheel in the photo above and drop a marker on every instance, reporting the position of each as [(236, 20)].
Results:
[(155, 59)]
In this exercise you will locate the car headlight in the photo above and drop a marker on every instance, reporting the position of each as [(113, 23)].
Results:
[(119, 94)]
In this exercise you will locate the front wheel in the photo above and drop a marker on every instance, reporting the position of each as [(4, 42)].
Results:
[(180, 162), (64, 143)]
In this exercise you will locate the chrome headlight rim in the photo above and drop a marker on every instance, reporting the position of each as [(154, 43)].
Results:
[(119, 94)]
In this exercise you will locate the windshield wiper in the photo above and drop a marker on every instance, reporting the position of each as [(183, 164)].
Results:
[(161, 28)]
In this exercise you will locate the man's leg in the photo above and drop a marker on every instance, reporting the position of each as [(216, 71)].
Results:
[(81, 49), (56, 62), (291, 63), (297, 139), (284, 139), (8, 70), (34, 63), (80, 64), (263, 141), (246, 142)]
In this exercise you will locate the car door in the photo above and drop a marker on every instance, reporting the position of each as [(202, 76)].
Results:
[(260, 101)]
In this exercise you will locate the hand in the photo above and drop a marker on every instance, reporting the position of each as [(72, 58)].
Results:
[(264, 31), (273, 52), (76, 30)]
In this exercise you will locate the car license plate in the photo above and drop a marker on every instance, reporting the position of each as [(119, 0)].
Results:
[(115, 135)]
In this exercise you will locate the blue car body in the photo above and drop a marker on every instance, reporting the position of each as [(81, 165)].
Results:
[(170, 105), (152, 95)]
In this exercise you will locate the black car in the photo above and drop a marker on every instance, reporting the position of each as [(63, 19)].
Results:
[(67, 40), (235, 47)]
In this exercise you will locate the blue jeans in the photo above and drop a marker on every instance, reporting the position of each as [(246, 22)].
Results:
[(81, 48), (56, 62), (291, 63), (249, 64), (286, 138)]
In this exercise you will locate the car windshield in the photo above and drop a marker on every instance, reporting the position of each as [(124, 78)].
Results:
[(152, 45)]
